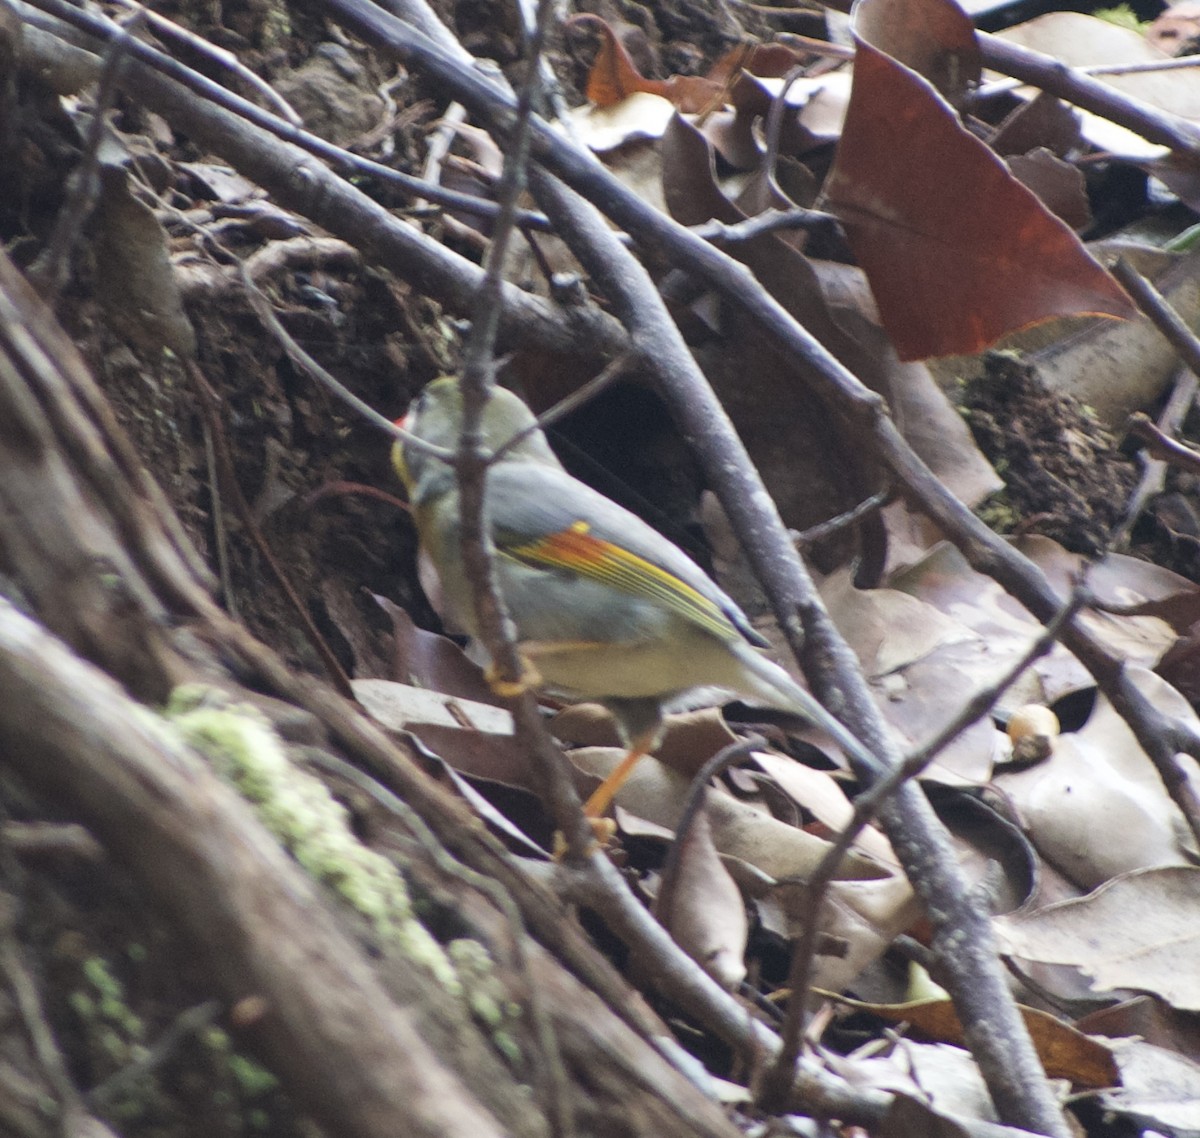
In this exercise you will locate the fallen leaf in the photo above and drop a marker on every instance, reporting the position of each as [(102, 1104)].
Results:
[(957, 251), (1160, 1089), (1139, 931), (1066, 1053), (703, 910)]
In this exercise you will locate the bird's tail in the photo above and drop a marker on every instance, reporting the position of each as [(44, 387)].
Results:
[(766, 681)]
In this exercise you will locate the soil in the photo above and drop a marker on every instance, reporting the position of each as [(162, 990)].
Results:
[(1064, 476)]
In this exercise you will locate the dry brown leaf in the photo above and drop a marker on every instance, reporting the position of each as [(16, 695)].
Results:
[(739, 829), (1065, 1052), (1097, 808), (704, 910), (1140, 931), (958, 252)]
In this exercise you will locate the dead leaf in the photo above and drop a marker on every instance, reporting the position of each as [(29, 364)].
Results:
[(1097, 807), (958, 252), (1160, 1089), (614, 76), (934, 38), (656, 792), (475, 739), (943, 1077), (1065, 1052), (1139, 931), (703, 910)]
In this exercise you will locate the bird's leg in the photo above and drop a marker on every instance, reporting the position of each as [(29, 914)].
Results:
[(601, 798), (640, 724)]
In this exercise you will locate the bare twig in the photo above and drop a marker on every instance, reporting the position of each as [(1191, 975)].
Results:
[(866, 808), (608, 375), (188, 1023), (1162, 446), (1154, 468), (779, 106), (50, 271), (1142, 67), (496, 629), (495, 626), (1072, 86), (769, 221), (1154, 306), (331, 383), (107, 31), (171, 30), (693, 804), (28, 1004), (210, 404), (834, 525)]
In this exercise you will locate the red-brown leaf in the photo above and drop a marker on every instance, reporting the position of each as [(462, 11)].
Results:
[(957, 251)]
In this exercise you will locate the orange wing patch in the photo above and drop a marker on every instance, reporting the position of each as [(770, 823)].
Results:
[(576, 550)]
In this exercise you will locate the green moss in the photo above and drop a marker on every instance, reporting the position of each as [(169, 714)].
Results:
[(103, 1006), (486, 995), (252, 1078), (1123, 16), (998, 514), (299, 810)]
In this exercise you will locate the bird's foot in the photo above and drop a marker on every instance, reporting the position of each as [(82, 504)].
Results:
[(505, 688), (603, 832)]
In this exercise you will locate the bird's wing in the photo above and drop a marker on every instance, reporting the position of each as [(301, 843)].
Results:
[(567, 525)]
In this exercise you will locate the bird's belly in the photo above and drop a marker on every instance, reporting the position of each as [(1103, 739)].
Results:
[(620, 671)]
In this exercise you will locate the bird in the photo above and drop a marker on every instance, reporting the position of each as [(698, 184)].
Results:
[(606, 608)]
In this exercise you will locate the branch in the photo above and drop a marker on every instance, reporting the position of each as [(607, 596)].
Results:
[(204, 857)]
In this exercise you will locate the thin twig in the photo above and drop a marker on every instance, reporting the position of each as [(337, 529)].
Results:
[(108, 31), (775, 115), (28, 1004), (866, 808), (1142, 67), (608, 375), (1160, 313), (50, 270), (693, 804), (171, 30), (495, 626), (769, 221), (834, 525), (1154, 468), (220, 531), (188, 1023), (1162, 446), (210, 404), (1073, 86), (298, 356)]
